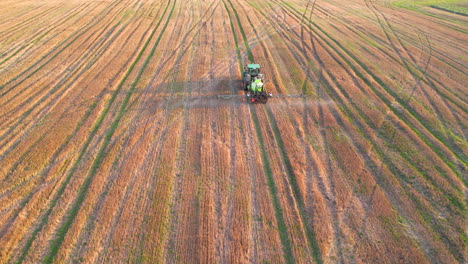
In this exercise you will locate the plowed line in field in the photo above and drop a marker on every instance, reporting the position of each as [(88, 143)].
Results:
[(453, 22), (284, 156), (461, 68), (155, 148), (381, 94), (395, 171), (427, 79), (98, 48), (22, 47), (179, 54), (166, 245), (447, 95), (47, 58), (55, 155), (62, 230), (7, 33), (248, 248), (413, 73), (361, 113), (184, 220), (85, 117), (303, 63), (370, 164), (55, 244), (271, 183), (240, 202), (420, 71), (42, 26), (435, 184), (97, 52), (110, 181), (439, 169), (95, 34), (5, 19), (152, 158), (330, 195), (293, 178)]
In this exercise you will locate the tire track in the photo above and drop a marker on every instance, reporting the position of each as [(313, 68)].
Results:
[(45, 171), (59, 88), (293, 177), (93, 105), (273, 189), (55, 244), (427, 78), (47, 58), (72, 212), (27, 45), (298, 58), (8, 32), (5, 19), (433, 144), (90, 225), (406, 157), (95, 55)]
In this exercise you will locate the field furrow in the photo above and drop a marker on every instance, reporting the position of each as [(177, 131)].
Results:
[(126, 135)]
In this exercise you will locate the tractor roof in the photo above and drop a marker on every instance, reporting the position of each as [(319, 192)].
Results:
[(253, 66)]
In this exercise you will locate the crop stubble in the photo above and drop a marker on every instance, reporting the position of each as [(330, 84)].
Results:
[(113, 148)]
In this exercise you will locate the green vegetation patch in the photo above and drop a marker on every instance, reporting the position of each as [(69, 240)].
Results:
[(459, 7)]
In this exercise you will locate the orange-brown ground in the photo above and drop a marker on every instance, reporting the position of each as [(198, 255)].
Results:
[(115, 146)]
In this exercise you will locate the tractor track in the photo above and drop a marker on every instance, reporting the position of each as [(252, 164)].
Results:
[(46, 170), (293, 178), (110, 182), (254, 170), (26, 46), (47, 106), (72, 212), (62, 86), (183, 221), (85, 117), (413, 60), (133, 142), (407, 119), (286, 162), (240, 203), (5, 19), (73, 134), (403, 36), (59, 48), (7, 33), (191, 27), (330, 196), (395, 171), (78, 61), (427, 79), (365, 34), (56, 243), (384, 23)]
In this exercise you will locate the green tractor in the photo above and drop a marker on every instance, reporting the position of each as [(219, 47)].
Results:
[(253, 82)]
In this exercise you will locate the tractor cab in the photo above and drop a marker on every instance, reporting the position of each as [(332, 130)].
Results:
[(253, 69)]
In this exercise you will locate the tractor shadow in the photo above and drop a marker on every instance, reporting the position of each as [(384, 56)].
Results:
[(212, 93)]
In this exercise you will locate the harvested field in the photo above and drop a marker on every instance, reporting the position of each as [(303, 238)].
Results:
[(126, 137)]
